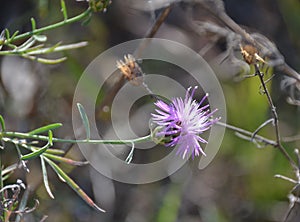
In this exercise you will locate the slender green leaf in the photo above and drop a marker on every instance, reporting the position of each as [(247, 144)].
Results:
[(61, 178), (14, 35), (50, 49), (65, 160), (7, 34), (14, 47), (73, 185), (50, 135), (55, 151), (26, 45), (33, 24), (45, 178), (45, 61), (2, 123), (34, 49), (55, 48), (40, 38), (50, 61), (40, 151), (34, 154), (45, 128), (85, 120), (64, 9)]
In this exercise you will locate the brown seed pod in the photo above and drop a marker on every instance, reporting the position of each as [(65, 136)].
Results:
[(130, 69), (250, 54)]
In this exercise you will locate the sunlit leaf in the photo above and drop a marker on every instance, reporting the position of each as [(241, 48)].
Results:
[(40, 38), (65, 160), (33, 24), (47, 50), (40, 151), (26, 45), (56, 48), (7, 34), (34, 154), (73, 185), (45, 128), (34, 48), (45, 61), (14, 35), (45, 178), (2, 123), (55, 151), (85, 120)]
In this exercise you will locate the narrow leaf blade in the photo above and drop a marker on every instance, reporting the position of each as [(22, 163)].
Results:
[(45, 178), (33, 24), (65, 160), (34, 154), (55, 151), (45, 128), (40, 151), (85, 120), (45, 61), (7, 34), (73, 185), (50, 135), (2, 123), (40, 38), (14, 35)]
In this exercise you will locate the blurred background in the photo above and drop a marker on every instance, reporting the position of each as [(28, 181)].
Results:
[(239, 184)]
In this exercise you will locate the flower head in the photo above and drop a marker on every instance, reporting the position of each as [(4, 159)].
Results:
[(182, 121)]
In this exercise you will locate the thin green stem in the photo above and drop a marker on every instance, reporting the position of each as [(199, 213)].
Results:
[(53, 26), (58, 140)]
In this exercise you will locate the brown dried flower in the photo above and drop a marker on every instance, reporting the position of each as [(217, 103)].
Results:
[(250, 54), (130, 69)]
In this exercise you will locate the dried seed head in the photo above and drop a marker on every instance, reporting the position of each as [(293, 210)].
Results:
[(130, 69), (250, 54)]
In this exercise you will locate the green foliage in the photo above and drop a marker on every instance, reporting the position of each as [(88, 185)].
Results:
[(34, 44), (46, 128), (85, 120)]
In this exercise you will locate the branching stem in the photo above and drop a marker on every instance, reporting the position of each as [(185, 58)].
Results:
[(275, 117)]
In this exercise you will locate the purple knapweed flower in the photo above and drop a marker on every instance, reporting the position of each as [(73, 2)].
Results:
[(182, 121)]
